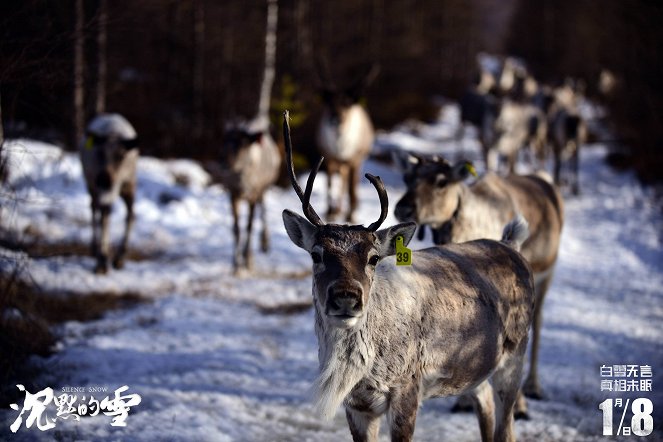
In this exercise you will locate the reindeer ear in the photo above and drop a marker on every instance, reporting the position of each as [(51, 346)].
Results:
[(462, 170), (387, 237), (405, 161), (254, 137), (130, 144), (300, 230)]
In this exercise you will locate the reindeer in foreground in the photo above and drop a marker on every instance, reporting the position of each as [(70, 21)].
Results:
[(109, 155), (345, 138), (455, 321), (436, 196)]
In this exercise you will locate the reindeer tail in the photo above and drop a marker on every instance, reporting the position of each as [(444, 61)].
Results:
[(515, 233)]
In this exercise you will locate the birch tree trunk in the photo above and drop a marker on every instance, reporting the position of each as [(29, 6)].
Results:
[(270, 61)]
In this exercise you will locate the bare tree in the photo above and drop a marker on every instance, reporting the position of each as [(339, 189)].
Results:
[(270, 62), (79, 80), (102, 62)]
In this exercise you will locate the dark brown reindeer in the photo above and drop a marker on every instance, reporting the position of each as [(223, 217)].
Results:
[(455, 321), (345, 138), (109, 155), (438, 197), (567, 134)]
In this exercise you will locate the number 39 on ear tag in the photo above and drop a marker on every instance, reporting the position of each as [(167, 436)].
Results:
[(403, 254)]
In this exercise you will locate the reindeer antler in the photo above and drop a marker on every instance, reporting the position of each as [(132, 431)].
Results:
[(384, 201), (304, 197)]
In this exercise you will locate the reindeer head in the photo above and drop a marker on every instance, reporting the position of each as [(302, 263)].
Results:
[(235, 141), (109, 139), (433, 195), (338, 101), (344, 257)]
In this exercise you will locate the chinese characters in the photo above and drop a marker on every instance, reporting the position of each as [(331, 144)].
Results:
[(68, 406)]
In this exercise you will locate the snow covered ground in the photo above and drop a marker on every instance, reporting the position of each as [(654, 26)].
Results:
[(210, 364)]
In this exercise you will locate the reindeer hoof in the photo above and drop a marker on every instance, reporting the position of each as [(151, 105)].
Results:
[(463, 405), (521, 415), (118, 263), (101, 269), (533, 391), (264, 246)]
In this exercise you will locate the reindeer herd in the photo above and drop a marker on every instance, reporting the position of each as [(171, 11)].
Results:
[(456, 321), (515, 113)]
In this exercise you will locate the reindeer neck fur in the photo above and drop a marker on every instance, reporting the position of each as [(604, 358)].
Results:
[(485, 207), (345, 357), (350, 139)]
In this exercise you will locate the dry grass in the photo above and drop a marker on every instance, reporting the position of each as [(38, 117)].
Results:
[(26, 317), (292, 308), (36, 247)]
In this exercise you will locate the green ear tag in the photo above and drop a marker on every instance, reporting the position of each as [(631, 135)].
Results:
[(470, 168), (89, 143), (403, 254)]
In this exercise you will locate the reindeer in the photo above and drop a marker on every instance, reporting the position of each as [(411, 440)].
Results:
[(250, 159), (251, 162), (437, 196), (109, 155), (567, 132), (518, 125), (345, 137), (479, 109), (455, 321)]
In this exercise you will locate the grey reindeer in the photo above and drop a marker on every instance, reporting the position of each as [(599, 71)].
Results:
[(345, 137), (109, 154), (455, 321), (250, 159), (251, 163), (518, 125), (437, 196)]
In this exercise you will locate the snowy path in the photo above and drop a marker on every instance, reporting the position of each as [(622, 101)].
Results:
[(210, 366)]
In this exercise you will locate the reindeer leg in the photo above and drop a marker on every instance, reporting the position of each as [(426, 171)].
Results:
[(333, 204), (575, 187), (511, 162), (248, 257), (531, 387), (506, 381), (127, 193), (103, 252), (364, 427), (94, 244), (403, 411), (464, 404), (484, 407), (352, 178), (557, 166), (234, 205), (264, 237), (459, 136)]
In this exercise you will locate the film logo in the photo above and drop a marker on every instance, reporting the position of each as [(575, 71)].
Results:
[(67, 406)]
